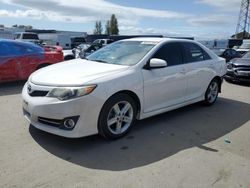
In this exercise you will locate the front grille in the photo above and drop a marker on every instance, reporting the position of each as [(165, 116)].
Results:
[(38, 93), (50, 122)]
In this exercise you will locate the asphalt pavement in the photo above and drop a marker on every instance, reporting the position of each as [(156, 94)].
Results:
[(194, 146)]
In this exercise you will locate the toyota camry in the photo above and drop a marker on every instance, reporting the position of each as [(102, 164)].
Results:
[(124, 81)]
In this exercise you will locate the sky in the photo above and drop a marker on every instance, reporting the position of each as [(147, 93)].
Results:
[(202, 19)]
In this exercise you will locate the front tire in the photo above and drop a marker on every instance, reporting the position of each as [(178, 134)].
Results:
[(212, 92), (117, 116)]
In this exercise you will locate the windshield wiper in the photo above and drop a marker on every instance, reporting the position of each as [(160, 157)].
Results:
[(98, 60)]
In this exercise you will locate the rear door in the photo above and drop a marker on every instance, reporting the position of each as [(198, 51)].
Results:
[(165, 87), (200, 70)]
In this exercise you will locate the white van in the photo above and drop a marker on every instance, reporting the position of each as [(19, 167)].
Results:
[(26, 37)]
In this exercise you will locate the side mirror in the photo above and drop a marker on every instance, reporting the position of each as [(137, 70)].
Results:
[(156, 64)]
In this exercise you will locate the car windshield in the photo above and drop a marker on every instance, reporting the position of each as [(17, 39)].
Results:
[(245, 46), (122, 53), (246, 56)]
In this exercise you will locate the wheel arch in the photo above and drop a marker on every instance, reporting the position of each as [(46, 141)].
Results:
[(134, 96), (219, 80), (68, 57)]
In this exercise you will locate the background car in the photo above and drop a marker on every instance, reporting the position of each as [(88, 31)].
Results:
[(229, 54), (68, 55), (80, 48), (103, 42), (238, 69), (19, 59), (87, 50), (27, 37)]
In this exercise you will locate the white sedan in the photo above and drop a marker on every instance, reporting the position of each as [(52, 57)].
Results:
[(127, 80)]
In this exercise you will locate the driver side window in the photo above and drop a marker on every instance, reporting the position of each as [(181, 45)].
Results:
[(171, 53)]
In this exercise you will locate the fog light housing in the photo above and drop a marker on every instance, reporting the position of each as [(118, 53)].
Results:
[(69, 123)]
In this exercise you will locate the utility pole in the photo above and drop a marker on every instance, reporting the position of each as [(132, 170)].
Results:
[(244, 20)]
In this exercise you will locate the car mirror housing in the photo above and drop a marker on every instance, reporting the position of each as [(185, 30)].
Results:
[(156, 63)]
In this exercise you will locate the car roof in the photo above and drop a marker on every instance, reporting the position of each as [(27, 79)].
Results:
[(156, 39), (25, 33)]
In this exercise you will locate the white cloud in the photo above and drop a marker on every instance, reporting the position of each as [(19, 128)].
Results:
[(224, 5), (96, 9), (88, 11), (220, 20), (134, 30)]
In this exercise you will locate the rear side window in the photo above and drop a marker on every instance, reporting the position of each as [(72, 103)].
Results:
[(171, 53), (194, 53)]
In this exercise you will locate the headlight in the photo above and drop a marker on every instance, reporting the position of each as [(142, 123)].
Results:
[(72, 92), (229, 65)]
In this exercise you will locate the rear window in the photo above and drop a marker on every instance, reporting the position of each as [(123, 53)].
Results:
[(30, 36), (78, 39)]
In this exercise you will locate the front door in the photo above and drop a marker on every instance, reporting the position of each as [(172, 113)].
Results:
[(165, 87)]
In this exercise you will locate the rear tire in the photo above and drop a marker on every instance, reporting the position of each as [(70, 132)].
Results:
[(211, 93), (117, 116)]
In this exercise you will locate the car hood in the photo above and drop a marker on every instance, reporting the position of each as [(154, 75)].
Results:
[(241, 62), (76, 72)]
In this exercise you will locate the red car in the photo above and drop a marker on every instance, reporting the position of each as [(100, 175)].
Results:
[(19, 59)]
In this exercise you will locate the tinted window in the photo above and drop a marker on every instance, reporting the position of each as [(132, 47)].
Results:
[(171, 53), (30, 36), (78, 39), (194, 53)]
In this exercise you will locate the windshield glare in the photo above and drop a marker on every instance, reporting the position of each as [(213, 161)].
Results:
[(123, 52)]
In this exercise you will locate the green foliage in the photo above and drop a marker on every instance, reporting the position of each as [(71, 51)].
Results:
[(114, 30), (241, 35), (98, 28), (111, 27), (107, 28)]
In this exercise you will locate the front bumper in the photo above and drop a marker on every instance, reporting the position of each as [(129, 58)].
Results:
[(240, 76), (86, 108)]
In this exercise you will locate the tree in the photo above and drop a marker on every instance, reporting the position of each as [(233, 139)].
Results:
[(241, 35), (107, 28), (114, 30), (98, 28)]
